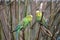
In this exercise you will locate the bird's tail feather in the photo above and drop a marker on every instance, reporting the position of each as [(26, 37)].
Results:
[(17, 34), (17, 28)]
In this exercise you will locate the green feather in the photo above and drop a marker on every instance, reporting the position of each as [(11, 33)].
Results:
[(23, 24), (44, 22)]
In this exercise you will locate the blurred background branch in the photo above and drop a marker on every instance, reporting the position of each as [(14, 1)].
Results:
[(9, 19)]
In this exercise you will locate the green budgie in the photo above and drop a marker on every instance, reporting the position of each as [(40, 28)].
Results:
[(23, 24), (40, 18)]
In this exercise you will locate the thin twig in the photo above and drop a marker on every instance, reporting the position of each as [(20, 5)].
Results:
[(7, 5), (3, 31), (23, 35), (37, 38), (33, 25)]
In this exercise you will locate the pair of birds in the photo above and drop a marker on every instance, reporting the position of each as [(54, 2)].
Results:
[(29, 18), (24, 23)]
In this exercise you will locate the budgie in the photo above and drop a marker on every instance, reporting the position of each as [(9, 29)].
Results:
[(40, 18), (23, 24)]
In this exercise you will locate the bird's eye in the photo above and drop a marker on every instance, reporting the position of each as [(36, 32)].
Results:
[(39, 13)]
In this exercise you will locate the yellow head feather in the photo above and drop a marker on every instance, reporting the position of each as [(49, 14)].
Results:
[(38, 13), (29, 17)]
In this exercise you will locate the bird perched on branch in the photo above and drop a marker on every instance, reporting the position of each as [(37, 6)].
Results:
[(40, 18), (23, 24)]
